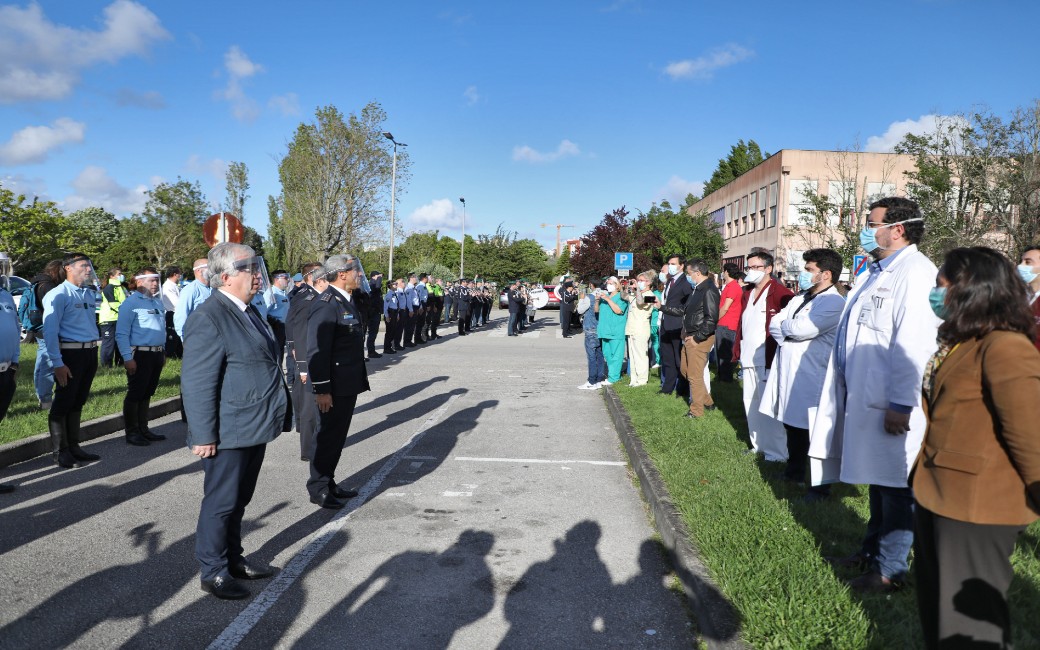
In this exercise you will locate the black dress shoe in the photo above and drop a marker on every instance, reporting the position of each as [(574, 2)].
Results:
[(372, 354), (391, 351), (136, 439), (341, 493), (243, 570), (153, 437), (326, 499), (664, 392), (710, 407), (226, 588)]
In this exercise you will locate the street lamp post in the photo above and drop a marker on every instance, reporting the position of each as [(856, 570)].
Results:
[(393, 201), (462, 253)]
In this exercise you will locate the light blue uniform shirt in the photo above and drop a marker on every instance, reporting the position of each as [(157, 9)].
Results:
[(142, 321), (281, 305), (263, 301), (411, 298), (10, 329), (193, 295), (423, 293), (390, 301), (69, 314)]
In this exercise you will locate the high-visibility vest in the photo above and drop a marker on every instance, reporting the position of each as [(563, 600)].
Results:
[(110, 310)]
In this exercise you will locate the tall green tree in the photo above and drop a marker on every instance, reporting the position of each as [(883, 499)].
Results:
[(275, 248), (236, 185), (336, 182), (667, 232), (31, 233), (173, 216), (563, 262), (741, 158)]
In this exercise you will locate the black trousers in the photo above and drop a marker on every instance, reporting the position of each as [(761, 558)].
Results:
[(6, 391), (228, 486), (333, 427), (433, 319), (404, 326), (372, 332), (174, 347), (83, 365), (565, 318), (725, 338), (463, 321), (109, 351), (798, 457), (418, 321), (278, 327), (306, 412), (142, 384), (671, 361), (963, 574), (390, 335)]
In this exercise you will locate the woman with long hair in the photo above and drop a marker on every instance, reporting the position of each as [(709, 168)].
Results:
[(976, 480)]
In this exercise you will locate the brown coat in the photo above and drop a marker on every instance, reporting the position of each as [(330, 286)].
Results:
[(980, 461)]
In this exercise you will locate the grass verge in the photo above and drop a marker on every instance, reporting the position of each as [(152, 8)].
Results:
[(25, 418), (765, 548)]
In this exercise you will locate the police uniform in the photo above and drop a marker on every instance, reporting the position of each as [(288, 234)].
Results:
[(336, 364), (10, 339), (419, 322), (70, 331), (462, 299), (141, 337), (391, 314), (515, 308), (302, 395), (112, 297), (191, 298), (448, 300), (373, 310), (276, 316)]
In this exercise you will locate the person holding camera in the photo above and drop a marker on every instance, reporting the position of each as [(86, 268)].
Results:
[(637, 328)]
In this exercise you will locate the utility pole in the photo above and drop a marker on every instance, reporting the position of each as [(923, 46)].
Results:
[(559, 249)]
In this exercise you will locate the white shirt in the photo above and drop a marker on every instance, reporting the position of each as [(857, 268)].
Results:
[(171, 295), (346, 294), (753, 331), (238, 303)]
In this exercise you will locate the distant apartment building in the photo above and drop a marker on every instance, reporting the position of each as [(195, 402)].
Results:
[(765, 207)]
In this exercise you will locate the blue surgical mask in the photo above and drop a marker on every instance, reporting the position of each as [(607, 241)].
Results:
[(1027, 273), (673, 269), (868, 236), (662, 276), (805, 280), (122, 278), (937, 299)]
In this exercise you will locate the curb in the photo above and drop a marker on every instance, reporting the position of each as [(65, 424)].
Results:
[(717, 619), (40, 444)]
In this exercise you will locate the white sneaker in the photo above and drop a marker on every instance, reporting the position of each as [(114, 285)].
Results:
[(655, 366), (588, 386), (604, 383)]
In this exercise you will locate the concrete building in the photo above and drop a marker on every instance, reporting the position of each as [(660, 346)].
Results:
[(766, 206)]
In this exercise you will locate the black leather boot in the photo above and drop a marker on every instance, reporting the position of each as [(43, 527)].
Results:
[(142, 423), (62, 456), (133, 429), (72, 434)]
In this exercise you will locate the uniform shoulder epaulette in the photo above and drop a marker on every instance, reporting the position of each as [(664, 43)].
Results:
[(325, 297), (311, 296)]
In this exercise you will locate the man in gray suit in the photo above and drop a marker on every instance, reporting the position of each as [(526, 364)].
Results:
[(236, 402)]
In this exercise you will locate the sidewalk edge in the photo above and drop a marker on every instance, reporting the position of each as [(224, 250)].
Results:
[(40, 444), (717, 619)]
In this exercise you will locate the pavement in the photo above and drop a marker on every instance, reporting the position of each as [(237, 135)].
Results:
[(496, 509)]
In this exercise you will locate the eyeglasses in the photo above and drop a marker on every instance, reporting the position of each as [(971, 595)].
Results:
[(756, 267)]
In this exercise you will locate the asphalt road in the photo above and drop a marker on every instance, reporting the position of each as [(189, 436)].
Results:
[(496, 510)]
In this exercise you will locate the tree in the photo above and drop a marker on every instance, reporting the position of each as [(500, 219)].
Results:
[(741, 158), (275, 248), (30, 233), (665, 232), (335, 182), (237, 184), (595, 257), (173, 216), (563, 262), (1022, 178), (448, 252)]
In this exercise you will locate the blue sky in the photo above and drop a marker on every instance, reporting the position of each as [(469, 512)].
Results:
[(536, 112)]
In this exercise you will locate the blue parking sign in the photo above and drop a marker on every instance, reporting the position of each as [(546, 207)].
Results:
[(859, 264), (623, 261)]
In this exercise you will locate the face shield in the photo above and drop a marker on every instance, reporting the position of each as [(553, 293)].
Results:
[(355, 265), (5, 272), (80, 272), (256, 267), (149, 282), (201, 272)]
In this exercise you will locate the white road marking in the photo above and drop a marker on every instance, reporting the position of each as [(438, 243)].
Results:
[(251, 615), (449, 493), (543, 461)]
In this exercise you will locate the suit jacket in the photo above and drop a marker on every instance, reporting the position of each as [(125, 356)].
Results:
[(296, 324), (336, 346), (980, 461), (677, 296), (777, 299), (232, 387)]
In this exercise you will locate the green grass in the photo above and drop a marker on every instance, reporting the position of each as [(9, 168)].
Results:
[(25, 418), (765, 549)]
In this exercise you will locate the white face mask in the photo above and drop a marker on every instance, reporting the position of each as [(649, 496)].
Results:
[(611, 287), (641, 285), (673, 269), (753, 276)]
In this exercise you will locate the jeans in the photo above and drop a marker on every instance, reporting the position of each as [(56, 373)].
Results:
[(890, 530), (43, 374), (594, 354), (511, 328), (725, 338)]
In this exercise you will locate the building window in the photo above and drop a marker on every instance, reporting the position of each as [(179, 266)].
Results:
[(753, 198), (744, 222), (799, 210), (772, 204)]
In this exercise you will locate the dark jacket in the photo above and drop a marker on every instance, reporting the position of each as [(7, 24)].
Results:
[(336, 346), (677, 295), (233, 390), (296, 324), (701, 314)]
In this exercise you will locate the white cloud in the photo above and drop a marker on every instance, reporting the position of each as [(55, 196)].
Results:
[(898, 130), (287, 104), (676, 189), (33, 143), (149, 99), (239, 67), (23, 185), (439, 213), (215, 167), (527, 154), (704, 66), (40, 60), (94, 187), (471, 95)]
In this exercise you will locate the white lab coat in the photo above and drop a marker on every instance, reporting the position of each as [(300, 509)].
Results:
[(805, 341), (891, 335)]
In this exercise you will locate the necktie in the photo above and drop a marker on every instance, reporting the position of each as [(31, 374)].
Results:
[(259, 325)]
